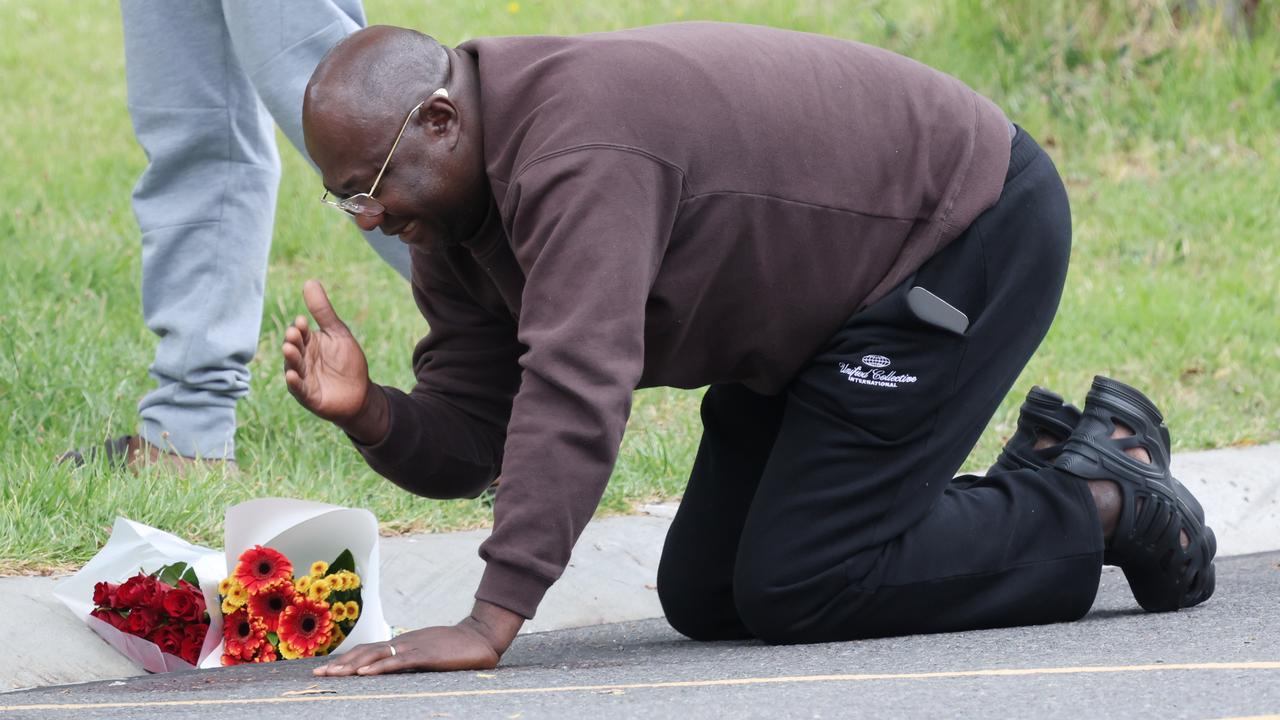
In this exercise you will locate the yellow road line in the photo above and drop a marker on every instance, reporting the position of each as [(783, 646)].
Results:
[(861, 677)]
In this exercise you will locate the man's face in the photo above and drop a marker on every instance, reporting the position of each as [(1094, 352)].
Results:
[(433, 190)]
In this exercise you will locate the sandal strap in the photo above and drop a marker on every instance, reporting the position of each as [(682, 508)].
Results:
[(1156, 509), (1042, 410)]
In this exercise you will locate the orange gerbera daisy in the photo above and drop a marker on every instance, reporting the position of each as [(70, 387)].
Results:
[(266, 653), (241, 635), (290, 653), (260, 566), (304, 625), (270, 601)]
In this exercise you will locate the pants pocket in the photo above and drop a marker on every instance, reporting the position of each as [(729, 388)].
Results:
[(885, 372)]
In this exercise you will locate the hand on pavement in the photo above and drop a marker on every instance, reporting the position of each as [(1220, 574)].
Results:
[(476, 643)]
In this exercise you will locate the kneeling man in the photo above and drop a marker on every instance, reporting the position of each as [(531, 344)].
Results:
[(858, 254)]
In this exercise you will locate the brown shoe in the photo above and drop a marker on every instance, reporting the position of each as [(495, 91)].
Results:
[(130, 452)]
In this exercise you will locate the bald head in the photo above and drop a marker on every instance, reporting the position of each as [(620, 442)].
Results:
[(372, 78), (375, 125)]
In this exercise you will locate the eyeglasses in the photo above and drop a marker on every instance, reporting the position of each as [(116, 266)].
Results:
[(363, 204)]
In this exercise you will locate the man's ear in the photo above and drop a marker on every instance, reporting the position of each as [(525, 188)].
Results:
[(440, 115)]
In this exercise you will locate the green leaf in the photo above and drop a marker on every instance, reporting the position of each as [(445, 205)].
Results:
[(273, 638), (171, 574), (344, 561), (190, 576)]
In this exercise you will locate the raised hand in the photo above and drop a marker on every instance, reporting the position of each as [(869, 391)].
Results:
[(326, 370)]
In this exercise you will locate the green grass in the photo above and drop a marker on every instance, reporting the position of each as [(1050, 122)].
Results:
[(1166, 135)]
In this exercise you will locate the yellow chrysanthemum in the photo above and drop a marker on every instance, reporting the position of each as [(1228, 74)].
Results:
[(351, 579), (320, 589), (288, 652), (353, 609), (224, 587), (338, 611), (336, 638), (319, 568), (303, 584), (235, 597)]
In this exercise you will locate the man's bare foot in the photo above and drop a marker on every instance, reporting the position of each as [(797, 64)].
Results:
[(1045, 439), (1106, 494)]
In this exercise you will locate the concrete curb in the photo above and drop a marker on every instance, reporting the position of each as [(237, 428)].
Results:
[(429, 579)]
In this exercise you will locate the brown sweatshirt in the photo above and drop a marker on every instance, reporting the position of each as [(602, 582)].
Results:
[(675, 205)]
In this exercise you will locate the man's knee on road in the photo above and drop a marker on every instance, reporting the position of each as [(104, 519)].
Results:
[(692, 608), (781, 610)]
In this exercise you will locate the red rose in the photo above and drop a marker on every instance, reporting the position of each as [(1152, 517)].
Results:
[(158, 592), (142, 621), (197, 596), (190, 650), (179, 605), (127, 594), (196, 632), (111, 617), (104, 594), (138, 591), (168, 637)]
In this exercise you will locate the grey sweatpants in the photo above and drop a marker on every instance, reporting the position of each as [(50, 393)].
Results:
[(205, 81)]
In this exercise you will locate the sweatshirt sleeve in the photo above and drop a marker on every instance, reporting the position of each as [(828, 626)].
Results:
[(446, 435), (589, 226)]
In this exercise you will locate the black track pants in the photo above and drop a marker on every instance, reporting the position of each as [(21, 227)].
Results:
[(828, 512)]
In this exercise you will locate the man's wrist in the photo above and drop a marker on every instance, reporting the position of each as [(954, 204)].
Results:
[(372, 423), (496, 624)]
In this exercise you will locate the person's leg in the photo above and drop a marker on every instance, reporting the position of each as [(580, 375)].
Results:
[(856, 528), (279, 43), (695, 575), (205, 205)]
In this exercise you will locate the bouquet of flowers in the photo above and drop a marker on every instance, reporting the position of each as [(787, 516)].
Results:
[(335, 550), (151, 595), (166, 608), (155, 617), (271, 615)]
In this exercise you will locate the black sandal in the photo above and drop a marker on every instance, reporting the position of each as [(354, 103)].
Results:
[(115, 450), (1155, 509), (1043, 413)]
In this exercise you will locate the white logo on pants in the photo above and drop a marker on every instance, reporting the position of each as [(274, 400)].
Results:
[(875, 375)]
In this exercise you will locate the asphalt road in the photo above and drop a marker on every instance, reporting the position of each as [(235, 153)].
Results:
[(1215, 661)]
